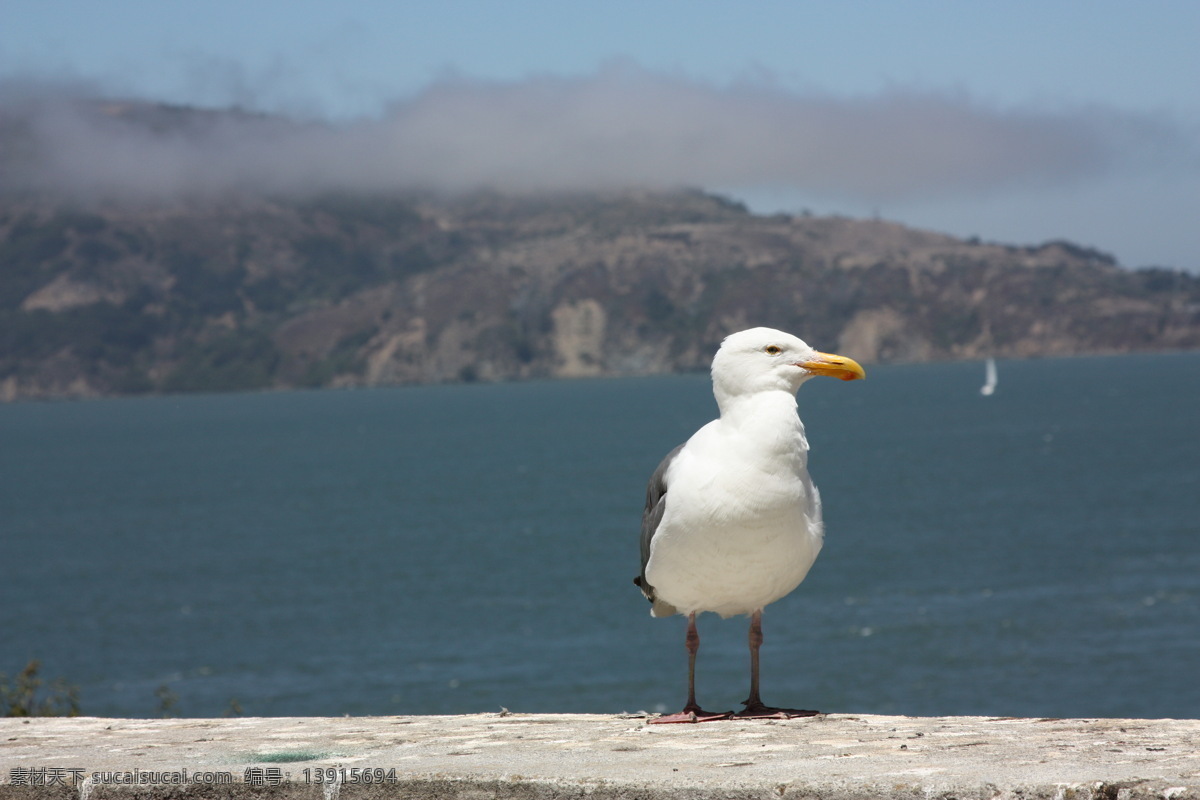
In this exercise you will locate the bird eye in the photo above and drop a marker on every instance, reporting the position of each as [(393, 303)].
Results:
[(772, 350)]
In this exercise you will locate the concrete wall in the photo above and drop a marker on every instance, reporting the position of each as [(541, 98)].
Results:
[(595, 756)]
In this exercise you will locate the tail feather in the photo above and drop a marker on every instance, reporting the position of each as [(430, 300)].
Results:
[(658, 608)]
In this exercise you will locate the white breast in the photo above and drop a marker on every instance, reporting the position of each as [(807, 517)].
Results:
[(742, 524)]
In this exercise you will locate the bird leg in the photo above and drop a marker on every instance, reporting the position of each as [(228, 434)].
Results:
[(692, 711), (755, 708)]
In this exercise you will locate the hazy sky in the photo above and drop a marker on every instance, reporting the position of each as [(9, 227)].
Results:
[(1014, 121)]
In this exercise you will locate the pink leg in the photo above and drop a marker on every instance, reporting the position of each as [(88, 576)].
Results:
[(692, 711), (755, 708)]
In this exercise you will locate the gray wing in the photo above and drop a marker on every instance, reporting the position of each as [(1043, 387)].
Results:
[(656, 503)]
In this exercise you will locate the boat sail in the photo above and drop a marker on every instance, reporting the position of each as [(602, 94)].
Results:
[(989, 381)]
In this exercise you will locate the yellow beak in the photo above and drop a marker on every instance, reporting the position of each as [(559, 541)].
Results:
[(834, 366)]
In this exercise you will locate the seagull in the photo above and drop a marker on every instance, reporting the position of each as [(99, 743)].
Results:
[(732, 520)]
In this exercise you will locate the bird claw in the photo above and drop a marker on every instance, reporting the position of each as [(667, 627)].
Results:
[(692, 715), (769, 712)]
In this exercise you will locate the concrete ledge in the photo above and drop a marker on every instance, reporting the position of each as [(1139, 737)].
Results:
[(595, 756)]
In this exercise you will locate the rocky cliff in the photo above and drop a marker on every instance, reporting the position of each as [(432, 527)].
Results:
[(337, 290)]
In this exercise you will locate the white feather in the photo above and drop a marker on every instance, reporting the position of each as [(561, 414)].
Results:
[(742, 520)]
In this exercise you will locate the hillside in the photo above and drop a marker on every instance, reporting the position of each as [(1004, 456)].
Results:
[(340, 290)]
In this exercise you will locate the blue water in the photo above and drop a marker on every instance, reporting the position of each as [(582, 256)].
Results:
[(465, 548)]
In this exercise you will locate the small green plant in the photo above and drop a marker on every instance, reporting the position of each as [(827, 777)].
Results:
[(167, 701), (23, 696)]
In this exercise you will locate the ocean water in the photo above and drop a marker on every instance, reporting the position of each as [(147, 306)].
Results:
[(455, 549)]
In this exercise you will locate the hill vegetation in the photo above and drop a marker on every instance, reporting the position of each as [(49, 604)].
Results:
[(248, 292)]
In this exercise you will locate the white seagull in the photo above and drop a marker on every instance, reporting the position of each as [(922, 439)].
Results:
[(732, 520)]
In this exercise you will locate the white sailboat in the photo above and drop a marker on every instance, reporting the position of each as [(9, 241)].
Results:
[(989, 381)]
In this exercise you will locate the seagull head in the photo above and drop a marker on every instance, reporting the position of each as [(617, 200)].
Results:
[(764, 359)]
